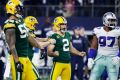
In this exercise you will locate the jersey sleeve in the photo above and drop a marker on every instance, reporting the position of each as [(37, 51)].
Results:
[(9, 24), (32, 33), (52, 36), (95, 31), (118, 31)]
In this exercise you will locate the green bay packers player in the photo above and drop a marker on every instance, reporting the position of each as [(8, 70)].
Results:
[(31, 22), (18, 39), (61, 50)]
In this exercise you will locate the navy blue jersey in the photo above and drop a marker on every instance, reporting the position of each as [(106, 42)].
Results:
[(80, 43)]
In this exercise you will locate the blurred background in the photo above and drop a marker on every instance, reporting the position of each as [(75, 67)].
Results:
[(85, 14)]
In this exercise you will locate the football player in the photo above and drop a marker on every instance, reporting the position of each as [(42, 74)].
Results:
[(104, 52), (31, 22), (61, 50), (18, 39)]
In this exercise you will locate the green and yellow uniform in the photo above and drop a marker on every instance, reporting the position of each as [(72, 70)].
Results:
[(62, 64), (31, 51), (22, 46)]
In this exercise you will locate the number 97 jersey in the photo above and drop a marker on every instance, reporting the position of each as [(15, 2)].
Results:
[(107, 41), (62, 46)]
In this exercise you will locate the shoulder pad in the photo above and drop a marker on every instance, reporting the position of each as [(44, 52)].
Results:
[(117, 28), (10, 21), (53, 35), (68, 33), (97, 27), (96, 30), (33, 35)]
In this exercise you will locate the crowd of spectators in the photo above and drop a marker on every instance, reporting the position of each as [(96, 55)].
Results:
[(66, 8)]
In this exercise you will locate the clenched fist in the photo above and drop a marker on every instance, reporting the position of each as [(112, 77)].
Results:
[(56, 53), (52, 41), (82, 53)]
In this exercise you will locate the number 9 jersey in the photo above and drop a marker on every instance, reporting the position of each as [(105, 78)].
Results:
[(107, 41), (62, 46)]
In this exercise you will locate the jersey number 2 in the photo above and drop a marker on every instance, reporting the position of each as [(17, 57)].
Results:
[(103, 41), (65, 45)]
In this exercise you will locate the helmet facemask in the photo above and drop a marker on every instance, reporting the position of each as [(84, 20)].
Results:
[(20, 12)]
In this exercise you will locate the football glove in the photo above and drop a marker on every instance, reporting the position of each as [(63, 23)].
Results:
[(42, 54), (91, 56), (90, 63), (3, 59), (116, 60), (19, 66)]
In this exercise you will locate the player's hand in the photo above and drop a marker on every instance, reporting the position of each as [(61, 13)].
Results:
[(82, 54), (42, 54), (116, 60), (3, 59), (56, 53), (19, 66), (52, 41), (90, 63)]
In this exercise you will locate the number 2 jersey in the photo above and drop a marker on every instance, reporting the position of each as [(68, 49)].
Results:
[(22, 44), (107, 41), (62, 46)]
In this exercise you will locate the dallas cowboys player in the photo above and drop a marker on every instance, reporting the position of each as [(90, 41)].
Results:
[(105, 43)]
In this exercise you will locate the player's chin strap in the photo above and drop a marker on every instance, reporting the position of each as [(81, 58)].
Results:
[(18, 16)]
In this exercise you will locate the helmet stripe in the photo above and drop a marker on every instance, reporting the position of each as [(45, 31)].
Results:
[(64, 19)]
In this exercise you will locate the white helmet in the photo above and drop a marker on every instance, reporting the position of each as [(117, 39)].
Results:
[(110, 20)]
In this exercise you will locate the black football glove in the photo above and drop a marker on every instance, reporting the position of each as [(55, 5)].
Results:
[(42, 54), (19, 66)]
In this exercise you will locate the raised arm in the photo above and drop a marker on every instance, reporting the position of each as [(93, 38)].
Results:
[(39, 44)]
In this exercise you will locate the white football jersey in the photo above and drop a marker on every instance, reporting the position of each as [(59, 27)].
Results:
[(107, 41)]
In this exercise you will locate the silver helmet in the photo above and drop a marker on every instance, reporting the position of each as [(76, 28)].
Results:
[(110, 20)]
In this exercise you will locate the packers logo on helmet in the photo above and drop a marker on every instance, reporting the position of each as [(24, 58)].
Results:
[(59, 20), (13, 6), (30, 22)]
